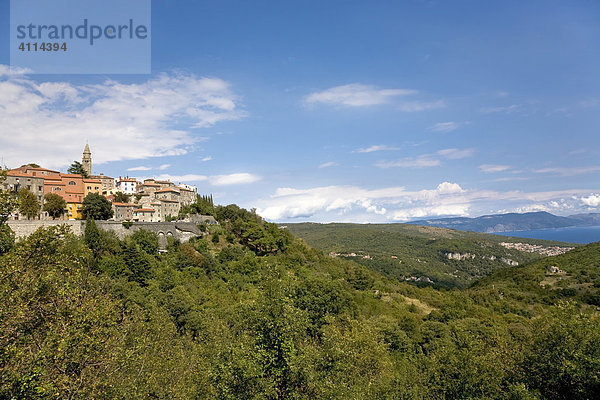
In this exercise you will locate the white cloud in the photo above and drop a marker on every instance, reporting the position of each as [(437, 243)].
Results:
[(352, 203), (186, 178), (593, 200), (157, 117), (215, 180), (490, 168), (449, 188), (456, 154), (6, 70), (328, 164), (381, 147), (416, 106), (205, 159), (140, 168), (444, 127), (386, 203), (423, 161), (506, 109), (356, 95), (233, 179), (566, 171), (164, 166)]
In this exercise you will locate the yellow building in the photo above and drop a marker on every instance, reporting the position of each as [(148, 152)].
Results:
[(91, 186), (74, 210)]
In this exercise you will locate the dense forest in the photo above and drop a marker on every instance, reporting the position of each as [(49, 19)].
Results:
[(403, 251), (250, 312)]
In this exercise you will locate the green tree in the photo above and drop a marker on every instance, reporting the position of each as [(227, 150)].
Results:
[(77, 168), (33, 165), (8, 201), (92, 237), (54, 205), (28, 204), (204, 205), (7, 239), (564, 358), (96, 207), (136, 261), (121, 197), (147, 240)]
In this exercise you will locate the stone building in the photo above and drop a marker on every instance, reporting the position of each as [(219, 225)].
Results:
[(86, 160), (17, 180), (108, 183), (123, 211), (145, 215), (168, 194), (187, 195)]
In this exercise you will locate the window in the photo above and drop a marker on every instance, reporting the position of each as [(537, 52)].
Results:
[(40, 188), (72, 183)]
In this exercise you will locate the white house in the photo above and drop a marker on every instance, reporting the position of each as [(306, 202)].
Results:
[(126, 185)]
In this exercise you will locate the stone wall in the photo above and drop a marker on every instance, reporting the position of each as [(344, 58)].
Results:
[(182, 231)]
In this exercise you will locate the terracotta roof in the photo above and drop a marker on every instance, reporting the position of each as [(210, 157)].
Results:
[(71, 175), (100, 177), (124, 204), (144, 209), (150, 184), (92, 180), (22, 174), (167, 190)]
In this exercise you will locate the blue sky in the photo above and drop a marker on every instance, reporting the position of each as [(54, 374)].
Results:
[(383, 111)]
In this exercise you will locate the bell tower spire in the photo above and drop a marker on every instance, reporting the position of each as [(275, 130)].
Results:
[(86, 160)]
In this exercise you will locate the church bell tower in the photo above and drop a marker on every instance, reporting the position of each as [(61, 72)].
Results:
[(86, 160)]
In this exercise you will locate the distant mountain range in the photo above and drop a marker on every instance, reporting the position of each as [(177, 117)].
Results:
[(513, 222)]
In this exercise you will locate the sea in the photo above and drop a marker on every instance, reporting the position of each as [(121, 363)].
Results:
[(572, 234)]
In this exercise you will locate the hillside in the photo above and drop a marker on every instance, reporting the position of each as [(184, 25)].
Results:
[(425, 255), (509, 222), (574, 276), (251, 312)]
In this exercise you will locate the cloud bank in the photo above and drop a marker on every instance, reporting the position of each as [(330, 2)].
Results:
[(121, 121)]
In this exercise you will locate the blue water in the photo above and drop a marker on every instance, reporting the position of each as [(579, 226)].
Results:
[(574, 234)]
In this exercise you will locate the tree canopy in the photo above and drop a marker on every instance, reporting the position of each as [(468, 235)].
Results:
[(100, 317), (28, 204), (121, 197), (54, 205), (77, 168), (96, 207)]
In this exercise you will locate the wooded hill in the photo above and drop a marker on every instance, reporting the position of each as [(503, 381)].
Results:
[(251, 312), (403, 251)]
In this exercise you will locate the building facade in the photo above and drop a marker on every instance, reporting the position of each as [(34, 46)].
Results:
[(86, 160), (126, 185)]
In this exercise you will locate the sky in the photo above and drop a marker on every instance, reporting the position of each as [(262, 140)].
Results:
[(347, 111)]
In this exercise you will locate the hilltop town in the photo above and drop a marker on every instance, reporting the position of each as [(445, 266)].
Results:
[(150, 200)]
